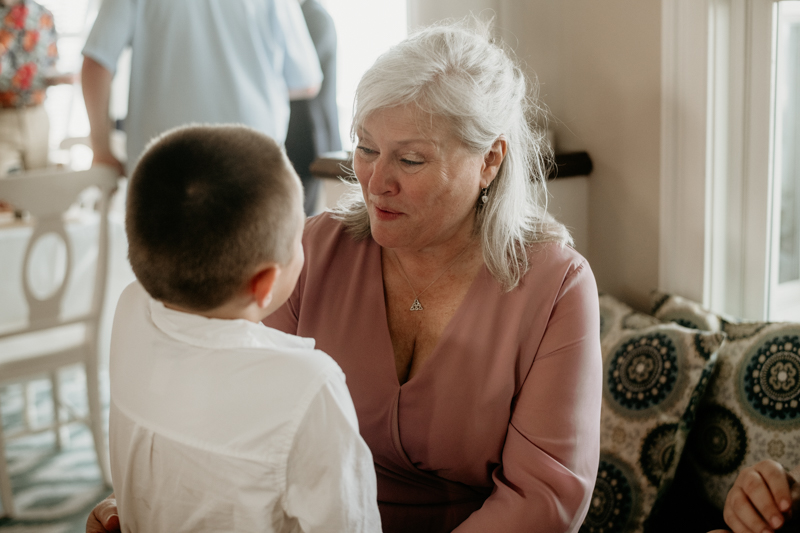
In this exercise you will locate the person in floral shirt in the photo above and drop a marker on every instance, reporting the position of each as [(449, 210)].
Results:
[(28, 56)]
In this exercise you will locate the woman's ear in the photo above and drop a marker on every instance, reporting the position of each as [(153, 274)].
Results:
[(262, 283), (492, 161)]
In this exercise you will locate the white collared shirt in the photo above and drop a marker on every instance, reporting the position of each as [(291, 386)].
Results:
[(227, 425)]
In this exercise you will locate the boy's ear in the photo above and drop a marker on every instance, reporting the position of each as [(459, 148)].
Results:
[(261, 285)]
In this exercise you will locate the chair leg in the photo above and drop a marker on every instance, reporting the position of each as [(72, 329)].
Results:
[(6, 495), (62, 432), (96, 417), (28, 406)]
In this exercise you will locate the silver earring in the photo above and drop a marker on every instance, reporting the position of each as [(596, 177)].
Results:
[(484, 195)]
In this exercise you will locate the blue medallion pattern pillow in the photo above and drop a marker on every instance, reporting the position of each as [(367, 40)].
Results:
[(751, 410), (654, 376)]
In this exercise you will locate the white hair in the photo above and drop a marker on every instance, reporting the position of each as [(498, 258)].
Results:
[(455, 72)]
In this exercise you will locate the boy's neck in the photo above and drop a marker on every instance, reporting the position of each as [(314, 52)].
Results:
[(232, 310)]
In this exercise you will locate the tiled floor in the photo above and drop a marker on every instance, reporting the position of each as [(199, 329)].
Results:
[(53, 491)]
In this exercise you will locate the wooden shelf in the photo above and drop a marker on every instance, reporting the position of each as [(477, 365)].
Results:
[(571, 165), (332, 165)]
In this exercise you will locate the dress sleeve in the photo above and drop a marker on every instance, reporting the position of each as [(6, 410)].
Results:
[(331, 483), (301, 65), (111, 33), (551, 453)]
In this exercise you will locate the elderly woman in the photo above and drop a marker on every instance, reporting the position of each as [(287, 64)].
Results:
[(465, 324), (466, 328)]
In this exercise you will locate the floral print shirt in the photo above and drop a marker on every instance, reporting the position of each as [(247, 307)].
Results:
[(27, 53)]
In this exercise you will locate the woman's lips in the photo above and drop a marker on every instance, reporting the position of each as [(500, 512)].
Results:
[(386, 214)]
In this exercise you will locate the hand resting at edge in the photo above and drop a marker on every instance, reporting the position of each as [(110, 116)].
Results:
[(763, 498), (104, 516)]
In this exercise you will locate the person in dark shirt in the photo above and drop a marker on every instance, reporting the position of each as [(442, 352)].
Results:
[(314, 123)]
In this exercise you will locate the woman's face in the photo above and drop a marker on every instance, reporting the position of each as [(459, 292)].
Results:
[(420, 183)]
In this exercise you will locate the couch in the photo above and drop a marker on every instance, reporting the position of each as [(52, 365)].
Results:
[(690, 397)]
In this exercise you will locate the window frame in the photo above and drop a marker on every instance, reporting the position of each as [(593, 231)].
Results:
[(784, 297), (717, 140)]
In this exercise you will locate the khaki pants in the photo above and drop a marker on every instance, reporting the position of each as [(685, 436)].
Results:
[(24, 139)]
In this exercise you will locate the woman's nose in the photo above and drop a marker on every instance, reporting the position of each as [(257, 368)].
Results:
[(382, 180)]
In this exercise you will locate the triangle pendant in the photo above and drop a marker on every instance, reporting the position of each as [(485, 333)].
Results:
[(416, 306)]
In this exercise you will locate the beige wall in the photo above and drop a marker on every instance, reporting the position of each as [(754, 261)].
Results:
[(612, 104), (424, 12), (599, 66)]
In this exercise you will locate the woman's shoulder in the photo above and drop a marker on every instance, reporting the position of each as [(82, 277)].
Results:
[(325, 238), (557, 273), (324, 228), (562, 260), (554, 270)]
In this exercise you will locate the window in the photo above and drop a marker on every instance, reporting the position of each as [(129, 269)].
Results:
[(64, 103), (785, 288), (365, 29), (737, 158), (730, 200)]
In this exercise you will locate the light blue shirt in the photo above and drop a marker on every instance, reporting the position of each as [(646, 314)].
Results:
[(206, 61)]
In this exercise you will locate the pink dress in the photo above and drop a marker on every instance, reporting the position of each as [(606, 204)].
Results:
[(500, 429)]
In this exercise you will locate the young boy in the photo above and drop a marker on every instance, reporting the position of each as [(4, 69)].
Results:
[(219, 423)]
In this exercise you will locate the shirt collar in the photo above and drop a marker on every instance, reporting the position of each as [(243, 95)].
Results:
[(216, 333)]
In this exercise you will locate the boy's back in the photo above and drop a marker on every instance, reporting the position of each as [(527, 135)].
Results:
[(227, 425)]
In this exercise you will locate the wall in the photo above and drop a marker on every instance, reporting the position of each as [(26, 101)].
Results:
[(569, 204), (599, 65), (424, 12)]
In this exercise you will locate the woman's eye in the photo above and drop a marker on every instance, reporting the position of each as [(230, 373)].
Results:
[(366, 151), (410, 162)]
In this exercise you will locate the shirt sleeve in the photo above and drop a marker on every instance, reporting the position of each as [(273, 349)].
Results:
[(111, 33), (301, 66), (331, 484), (49, 38), (552, 449), (322, 31)]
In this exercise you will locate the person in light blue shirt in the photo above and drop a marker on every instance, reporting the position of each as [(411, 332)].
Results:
[(237, 61)]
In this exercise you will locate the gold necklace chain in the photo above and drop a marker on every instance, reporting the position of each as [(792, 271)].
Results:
[(416, 306)]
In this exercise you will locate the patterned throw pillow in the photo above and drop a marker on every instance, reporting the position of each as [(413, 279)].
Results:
[(751, 411), (654, 375)]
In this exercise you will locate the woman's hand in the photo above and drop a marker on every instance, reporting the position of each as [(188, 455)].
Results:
[(761, 498), (104, 517)]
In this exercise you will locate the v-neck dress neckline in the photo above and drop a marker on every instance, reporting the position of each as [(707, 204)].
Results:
[(375, 251)]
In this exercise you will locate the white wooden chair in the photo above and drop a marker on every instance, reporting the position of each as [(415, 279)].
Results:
[(49, 341)]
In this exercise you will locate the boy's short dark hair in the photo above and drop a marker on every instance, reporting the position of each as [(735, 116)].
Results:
[(206, 206)]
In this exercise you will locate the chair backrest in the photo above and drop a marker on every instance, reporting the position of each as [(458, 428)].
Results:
[(47, 195)]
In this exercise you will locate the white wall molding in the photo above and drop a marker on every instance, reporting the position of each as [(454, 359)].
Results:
[(716, 143), (683, 188), (757, 213), (737, 273), (424, 12)]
